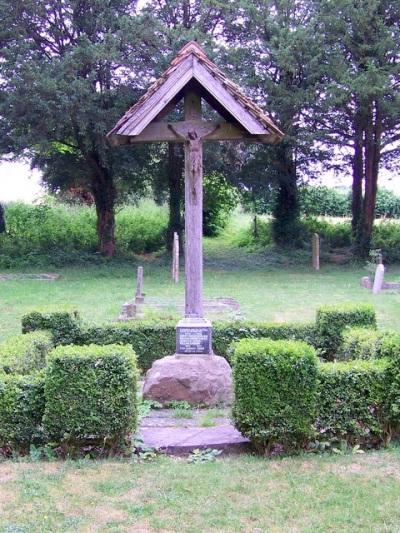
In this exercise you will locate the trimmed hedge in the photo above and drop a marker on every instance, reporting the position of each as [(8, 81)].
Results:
[(64, 325), (352, 403), (21, 410), (390, 348), (275, 391), (24, 354), (153, 339), (360, 343), (333, 319), (90, 394)]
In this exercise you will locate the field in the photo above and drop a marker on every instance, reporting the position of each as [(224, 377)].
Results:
[(268, 287)]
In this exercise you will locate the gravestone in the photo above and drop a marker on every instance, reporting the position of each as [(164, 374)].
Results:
[(139, 297), (175, 258), (378, 281)]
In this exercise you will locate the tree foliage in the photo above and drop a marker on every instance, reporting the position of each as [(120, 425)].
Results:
[(69, 69)]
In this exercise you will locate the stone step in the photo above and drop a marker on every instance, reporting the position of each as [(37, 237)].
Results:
[(175, 436)]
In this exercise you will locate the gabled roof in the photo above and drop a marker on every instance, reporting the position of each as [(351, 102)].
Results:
[(191, 63)]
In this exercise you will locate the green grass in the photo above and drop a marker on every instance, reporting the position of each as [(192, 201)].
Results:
[(249, 494), (268, 286)]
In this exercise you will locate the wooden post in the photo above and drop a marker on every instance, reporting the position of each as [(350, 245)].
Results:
[(315, 251), (193, 211), (139, 298), (175, 258)]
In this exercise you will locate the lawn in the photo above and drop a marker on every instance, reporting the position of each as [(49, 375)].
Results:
[(268, 287), (249, 494), (353, 492)]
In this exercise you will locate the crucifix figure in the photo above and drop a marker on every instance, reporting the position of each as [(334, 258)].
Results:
[(191, 76)]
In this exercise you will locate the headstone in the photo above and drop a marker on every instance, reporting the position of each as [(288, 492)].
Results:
[(315, 251), (378, 281), (175, 258), (139, 298), (366, 282), (128, 311)]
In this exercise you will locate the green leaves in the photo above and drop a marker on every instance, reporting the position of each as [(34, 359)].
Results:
[(275, 391), (91, 394)]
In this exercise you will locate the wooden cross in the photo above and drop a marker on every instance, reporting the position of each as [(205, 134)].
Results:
[(193, 77)]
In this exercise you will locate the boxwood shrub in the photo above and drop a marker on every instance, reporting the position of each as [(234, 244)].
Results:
[(275, 391), (360, 343), (24, 354), (21, 410), (390, 348), (152, 339), (90, 394), (333, 319), (64, 324), (352, 403)]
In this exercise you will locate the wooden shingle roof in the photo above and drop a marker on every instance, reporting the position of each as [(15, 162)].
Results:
[(191, 63)]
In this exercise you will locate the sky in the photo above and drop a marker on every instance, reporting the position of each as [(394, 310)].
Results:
[(19, 182)]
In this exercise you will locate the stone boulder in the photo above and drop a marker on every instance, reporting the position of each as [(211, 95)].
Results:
[(196, 379)]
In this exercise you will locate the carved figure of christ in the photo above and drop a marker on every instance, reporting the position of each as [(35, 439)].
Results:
[(193, 136)]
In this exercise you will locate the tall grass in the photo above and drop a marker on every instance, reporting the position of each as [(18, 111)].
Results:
[(60, 234)]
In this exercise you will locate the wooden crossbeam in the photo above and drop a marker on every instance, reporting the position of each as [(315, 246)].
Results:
[(166, 132)]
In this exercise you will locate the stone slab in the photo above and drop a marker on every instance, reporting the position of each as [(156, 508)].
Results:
[(159, 430)]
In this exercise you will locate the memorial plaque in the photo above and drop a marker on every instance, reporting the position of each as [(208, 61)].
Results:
[(193, 340)]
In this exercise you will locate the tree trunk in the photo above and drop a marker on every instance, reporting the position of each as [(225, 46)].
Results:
[(104, 194), (175, 186), (2, 220), (372, 157), (286, 210), (358, 175)]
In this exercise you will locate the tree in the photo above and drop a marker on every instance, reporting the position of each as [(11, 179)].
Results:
[(363, 103), (177, 22), (277, 49), (68, 70)]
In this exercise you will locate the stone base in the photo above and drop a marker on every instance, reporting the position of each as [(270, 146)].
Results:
[(196, 379)]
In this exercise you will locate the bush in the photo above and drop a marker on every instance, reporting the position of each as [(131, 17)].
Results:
[(64, 325), (141, 229), (332, 320), (324, 201), (226, 333), (390, 348), (387, 204), (351, 401), (21, 410), (275, 389), (332, 234), (220, 198), (152, 340), (90, 394), (386, 237), (360, 343), (59, 234), (24, 354)]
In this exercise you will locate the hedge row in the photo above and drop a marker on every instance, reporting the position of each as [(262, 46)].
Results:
[(332, 321), (152, 340), (85, 396), (275, 391), (284, 396), (24, 354)]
